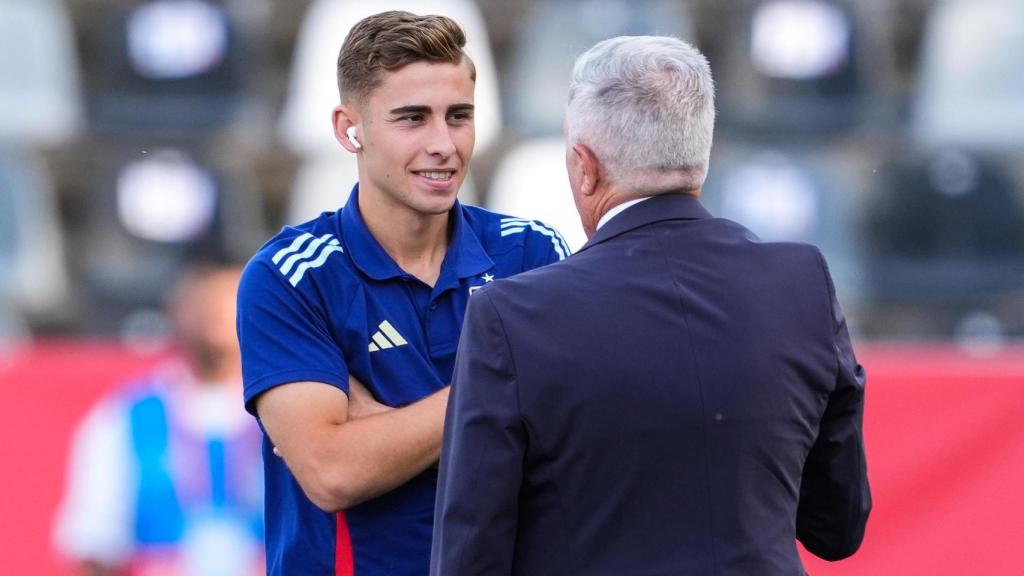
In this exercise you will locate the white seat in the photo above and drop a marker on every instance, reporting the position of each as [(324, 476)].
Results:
[(40, 95), (531, 182), (556, 32), (305, 125), (31, 239), (971, 83)]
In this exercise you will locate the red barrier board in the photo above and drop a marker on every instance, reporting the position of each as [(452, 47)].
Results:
[(944, 432), (46, 388)]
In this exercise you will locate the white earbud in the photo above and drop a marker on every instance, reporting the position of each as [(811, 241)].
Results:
[(351, 133)]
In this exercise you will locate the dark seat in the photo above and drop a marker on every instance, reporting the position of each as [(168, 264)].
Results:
[(153, 208), (173, 66), (792, 67), (946, 235)]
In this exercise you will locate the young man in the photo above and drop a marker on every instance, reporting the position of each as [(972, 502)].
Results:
[(374, 294)]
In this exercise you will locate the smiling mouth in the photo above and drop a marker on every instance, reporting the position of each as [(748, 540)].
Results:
[(437, 175)]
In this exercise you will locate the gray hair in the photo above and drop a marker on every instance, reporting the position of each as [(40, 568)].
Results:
[(645, 105)]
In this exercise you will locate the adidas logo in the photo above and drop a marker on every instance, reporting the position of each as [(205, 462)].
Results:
[(305, 253), (386, 337)]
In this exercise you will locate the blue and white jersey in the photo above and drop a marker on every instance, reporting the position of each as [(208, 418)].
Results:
[(324, 300)]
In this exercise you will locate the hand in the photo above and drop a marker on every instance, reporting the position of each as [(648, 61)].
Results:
[(361, 402)]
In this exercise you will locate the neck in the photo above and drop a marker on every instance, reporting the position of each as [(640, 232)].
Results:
[(604, 200), (610, 197), (416, 242)]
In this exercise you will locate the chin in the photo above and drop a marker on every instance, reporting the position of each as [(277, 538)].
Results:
[(438, 208), (438, 203)]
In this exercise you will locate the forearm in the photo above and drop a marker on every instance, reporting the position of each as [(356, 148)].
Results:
[(386, 450), (352, 461)]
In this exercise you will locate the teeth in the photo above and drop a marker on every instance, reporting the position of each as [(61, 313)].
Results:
[(437, 175)]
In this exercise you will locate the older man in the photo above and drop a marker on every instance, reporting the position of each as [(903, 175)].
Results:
[(678, 397)]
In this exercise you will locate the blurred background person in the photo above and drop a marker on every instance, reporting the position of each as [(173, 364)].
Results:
[(165, 475)]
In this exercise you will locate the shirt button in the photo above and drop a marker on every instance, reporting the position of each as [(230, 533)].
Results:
[(433, 307)]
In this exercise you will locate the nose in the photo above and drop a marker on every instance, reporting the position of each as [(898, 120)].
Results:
[(441, 143)]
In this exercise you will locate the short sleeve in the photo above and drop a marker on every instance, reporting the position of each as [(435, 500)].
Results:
[(284, 334), (544, 245)]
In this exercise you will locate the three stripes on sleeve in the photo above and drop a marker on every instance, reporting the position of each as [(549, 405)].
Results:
[(305, 253), (511, 226)]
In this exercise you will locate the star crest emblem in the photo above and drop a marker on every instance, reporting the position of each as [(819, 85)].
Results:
[(488, 278)]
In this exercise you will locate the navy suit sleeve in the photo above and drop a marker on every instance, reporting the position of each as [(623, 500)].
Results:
[(482, 455), (835, 498)]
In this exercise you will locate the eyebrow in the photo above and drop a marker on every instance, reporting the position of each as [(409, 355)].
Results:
[(414, 109), (422, 109)]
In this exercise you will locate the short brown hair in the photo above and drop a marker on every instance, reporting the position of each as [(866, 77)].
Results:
[(390, 40)]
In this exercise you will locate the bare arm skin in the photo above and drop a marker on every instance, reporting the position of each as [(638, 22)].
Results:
[(343, 453)]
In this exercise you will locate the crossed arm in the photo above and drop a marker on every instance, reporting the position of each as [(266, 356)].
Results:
[(345, 449)]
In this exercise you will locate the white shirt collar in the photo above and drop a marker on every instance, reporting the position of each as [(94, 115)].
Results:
[(616, 209)]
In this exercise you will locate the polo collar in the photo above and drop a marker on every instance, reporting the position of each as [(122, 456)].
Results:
[(465, 256), (665, 206)]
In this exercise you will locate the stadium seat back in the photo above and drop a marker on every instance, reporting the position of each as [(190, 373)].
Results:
[(40, 95), (31, 236), (971, 82), (167, 66), (555, 33)]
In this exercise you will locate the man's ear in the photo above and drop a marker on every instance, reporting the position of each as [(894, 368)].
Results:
[(590, 167), (345, 118)]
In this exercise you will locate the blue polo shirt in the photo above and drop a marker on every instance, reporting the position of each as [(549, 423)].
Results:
[(324, 300)]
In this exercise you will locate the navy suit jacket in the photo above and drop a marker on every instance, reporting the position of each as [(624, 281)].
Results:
[(677, 398)]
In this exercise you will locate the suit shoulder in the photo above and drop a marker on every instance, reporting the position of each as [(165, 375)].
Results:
[(789, 250)]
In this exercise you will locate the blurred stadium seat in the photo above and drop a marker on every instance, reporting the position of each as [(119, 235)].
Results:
[(40, 96), (531, 182), (945, 237), (555, 33), (970, 89), (31, 238), (305, 125), (152, 209), (168, 66), (794, 67), (792, 194)]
